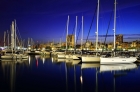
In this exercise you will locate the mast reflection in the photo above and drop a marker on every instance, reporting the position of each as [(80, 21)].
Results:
[(86, 66), (117, 70), (9, 72)]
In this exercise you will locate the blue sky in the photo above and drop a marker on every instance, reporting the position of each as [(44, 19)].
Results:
[(45, 20)]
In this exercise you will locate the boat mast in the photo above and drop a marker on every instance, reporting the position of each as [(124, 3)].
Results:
[(82, 33), (67, 33), (28, 45), (60, 43), (4, 38), (97, 26), (15, 37), (8, 39), (12, 36), (23, 45), (75, 35), (114, 25)]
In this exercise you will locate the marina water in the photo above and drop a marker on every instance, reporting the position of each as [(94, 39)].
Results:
[(45, 74)]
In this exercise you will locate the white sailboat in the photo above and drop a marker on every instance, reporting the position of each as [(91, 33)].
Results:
[(93, 58), (114, 59), (73, 55), (11, 54), (57, 52), (63, 55), (78, 56)]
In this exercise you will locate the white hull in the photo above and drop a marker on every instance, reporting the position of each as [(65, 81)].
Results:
[(55, 53), (8, 57), (76, 57), (61, 60), (69, 56), (74, 62), (58, 59), (116, 67), (113, 60), (90, 58), (62, 56), (14, 56), (68, 60)]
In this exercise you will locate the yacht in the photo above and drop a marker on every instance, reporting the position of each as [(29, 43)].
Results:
[(93, 58), (113, 58)]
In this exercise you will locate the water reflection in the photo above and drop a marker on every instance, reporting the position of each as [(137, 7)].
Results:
[(9, 73), (66, 77), (117, 67), (117, 70), (71, 78), (89, 71), (88, 68), (10, 67), (46, 73)]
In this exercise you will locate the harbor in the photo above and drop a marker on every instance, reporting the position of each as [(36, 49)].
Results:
[(70, 46)]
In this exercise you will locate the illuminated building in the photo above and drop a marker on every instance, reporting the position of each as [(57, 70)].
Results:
[(70, 40), (119, 39)]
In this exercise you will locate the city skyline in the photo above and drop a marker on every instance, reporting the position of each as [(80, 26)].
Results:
[(46, 20)]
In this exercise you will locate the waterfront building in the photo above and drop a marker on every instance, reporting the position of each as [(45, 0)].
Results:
[(70, 40), (110, 46), (119, 39), (119, 47), (87, 45), (134, 43)]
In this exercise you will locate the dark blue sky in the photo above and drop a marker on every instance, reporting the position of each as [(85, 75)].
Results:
[(45, 20)]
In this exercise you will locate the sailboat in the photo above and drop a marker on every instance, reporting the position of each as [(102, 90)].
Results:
[(9, 54), (63, 55), (116, 59), (93, 58), (78, 56), (12, 54), (73, 55)]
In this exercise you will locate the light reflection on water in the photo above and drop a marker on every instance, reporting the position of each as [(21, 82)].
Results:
[(47, 74)]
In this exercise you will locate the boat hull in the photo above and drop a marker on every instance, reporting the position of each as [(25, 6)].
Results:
[(7, 57), (61, 56), (76, 57), (90, 59), (14, 56), (69, 56)]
